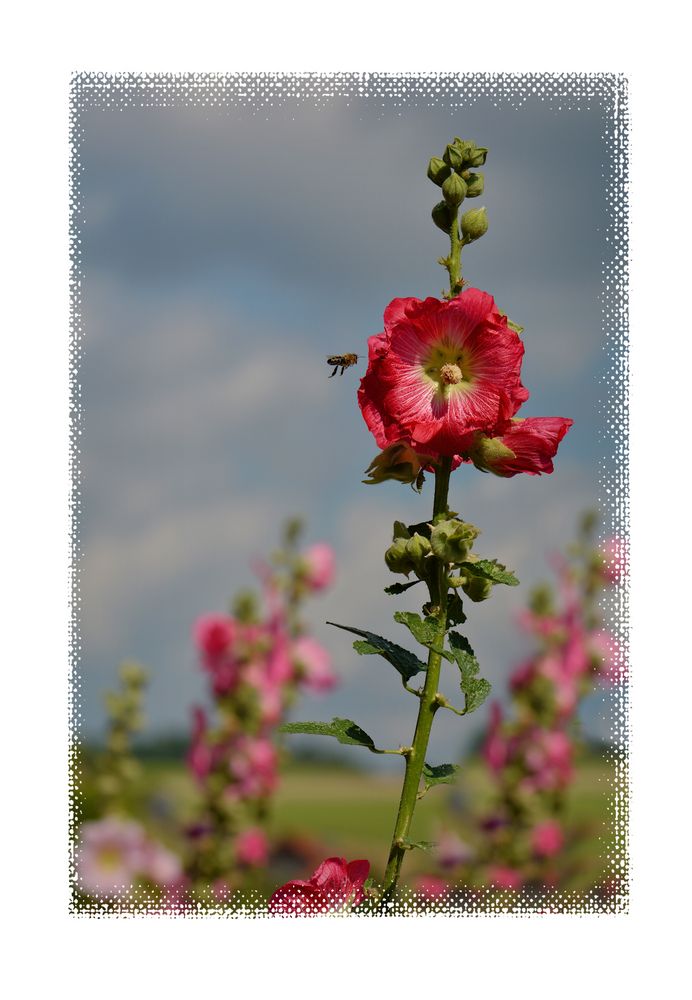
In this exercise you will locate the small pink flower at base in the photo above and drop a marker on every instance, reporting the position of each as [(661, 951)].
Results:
[(110, 856), (319, 563), (502, 877), (430, 887), (527, 445), (336, 886), (547, 839), (314, 664), (252, 848), (439, 372)]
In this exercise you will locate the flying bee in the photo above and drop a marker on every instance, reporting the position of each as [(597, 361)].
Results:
[(342, 361)]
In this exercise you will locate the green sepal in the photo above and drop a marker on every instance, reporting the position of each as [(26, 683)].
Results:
[(400, 531), (344, 730), (476, 689), (399, 588), (452, 540), (407, 664)]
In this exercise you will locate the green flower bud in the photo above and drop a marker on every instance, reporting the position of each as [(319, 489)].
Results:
[(454, 190), (397, 558), (452, 540), (474, 224), (474, 185), (453, 157), (477, 588), (487, 452), (417, 549), (478, 156), (438, 171), (443, 217)]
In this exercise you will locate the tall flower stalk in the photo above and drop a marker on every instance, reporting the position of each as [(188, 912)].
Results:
[(442, 389)]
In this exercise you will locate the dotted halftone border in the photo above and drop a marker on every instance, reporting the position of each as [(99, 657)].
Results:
[(262, 94)]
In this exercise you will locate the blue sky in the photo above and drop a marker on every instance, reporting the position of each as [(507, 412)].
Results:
[(225, 253)]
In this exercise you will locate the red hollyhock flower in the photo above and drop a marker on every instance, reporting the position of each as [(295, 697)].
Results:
[(527, 445), (336, 885), (440, 372)]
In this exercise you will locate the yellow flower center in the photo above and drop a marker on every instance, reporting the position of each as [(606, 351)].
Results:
[(450, 374)]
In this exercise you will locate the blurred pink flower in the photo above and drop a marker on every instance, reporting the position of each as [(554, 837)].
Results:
[(110, 856), (253, 763), (547, 839), (314, 664), (252, 847), (336, 885), (452, 851), (161, 865), (213, 635), (199, 756), (495, 749), (430, 887), (503, 877), (615, 559), (319, 564)]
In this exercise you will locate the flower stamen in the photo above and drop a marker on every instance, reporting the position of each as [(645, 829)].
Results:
[(451, 374)]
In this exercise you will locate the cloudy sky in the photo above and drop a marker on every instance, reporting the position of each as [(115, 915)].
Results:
[(225, 253)]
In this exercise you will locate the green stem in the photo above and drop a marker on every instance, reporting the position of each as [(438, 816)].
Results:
[(415, 758)]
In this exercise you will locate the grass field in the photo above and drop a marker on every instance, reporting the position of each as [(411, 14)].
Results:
[(351, 814)]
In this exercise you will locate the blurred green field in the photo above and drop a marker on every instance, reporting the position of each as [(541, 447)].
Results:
[(351, 813)]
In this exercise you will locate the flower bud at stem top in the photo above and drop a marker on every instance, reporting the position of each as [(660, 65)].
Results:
[(474, 224), (453, 157), (438, 171), (454, 190)]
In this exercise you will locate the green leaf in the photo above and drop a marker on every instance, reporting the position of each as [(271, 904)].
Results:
[(424, 630), (455, 611), (400, 531), (441, 774), (421, 845), (343, 730), (476, 689), (401, 659), (399, 588), (491, 569)]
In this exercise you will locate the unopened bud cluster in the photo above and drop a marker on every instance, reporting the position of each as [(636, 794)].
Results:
[(454, 174)]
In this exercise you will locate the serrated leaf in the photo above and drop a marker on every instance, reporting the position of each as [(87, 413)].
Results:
[(421, 845), (476, 689), (344, 730), (406, 662), (424, 630), (491, 569), (440, 774), (399, 588)]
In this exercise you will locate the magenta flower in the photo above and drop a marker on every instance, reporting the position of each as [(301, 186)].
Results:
[(441, 371), (615, 559), (496, 748), (319, 565), (314, 664), (213, 635), (430, 887), (521, 445), (253, 765), (161, 865), (335, 886)]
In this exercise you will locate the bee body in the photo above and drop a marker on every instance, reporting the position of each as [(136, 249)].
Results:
[(342, 361)]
